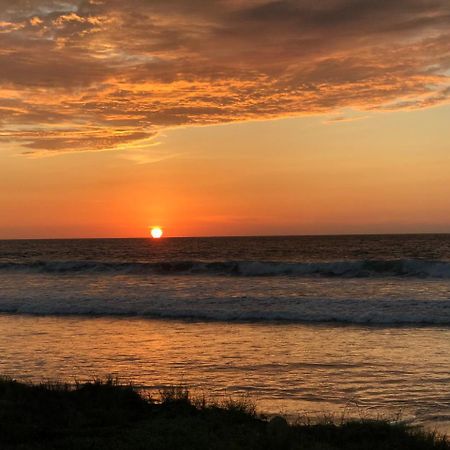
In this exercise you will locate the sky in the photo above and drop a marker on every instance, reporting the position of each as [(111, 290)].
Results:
[(224, 117)]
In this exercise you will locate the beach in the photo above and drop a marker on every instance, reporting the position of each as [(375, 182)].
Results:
[(306, 326)]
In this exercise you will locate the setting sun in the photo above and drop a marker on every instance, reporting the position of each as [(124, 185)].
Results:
[(156, 232)]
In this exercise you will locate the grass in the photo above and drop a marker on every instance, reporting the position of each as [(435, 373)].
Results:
[(108, 415)]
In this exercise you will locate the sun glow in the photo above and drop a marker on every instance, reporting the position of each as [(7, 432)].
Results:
[(156, 232)]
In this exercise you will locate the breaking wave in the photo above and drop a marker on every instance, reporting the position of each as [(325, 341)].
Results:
[(346, 269), (299, 310)]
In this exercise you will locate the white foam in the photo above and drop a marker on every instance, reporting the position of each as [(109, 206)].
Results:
[(347, 269), (357, 311)]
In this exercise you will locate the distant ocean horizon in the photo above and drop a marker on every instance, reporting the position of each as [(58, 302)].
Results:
[(303, 323), (225, 236)]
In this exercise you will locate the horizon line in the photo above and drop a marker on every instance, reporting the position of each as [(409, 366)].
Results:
[(227, 236)]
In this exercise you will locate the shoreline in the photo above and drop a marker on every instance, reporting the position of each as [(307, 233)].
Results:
[(284, 368)]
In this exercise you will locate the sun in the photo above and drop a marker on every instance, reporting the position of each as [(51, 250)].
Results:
[(156, 232)]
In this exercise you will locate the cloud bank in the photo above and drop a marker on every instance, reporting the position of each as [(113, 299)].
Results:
[(96, 74)]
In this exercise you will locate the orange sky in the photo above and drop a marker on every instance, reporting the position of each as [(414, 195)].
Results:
[(224, 117)]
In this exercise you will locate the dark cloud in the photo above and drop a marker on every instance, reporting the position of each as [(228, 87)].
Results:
[(115, 72)]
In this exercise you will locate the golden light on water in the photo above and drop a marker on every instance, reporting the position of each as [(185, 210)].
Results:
[(156, 232)]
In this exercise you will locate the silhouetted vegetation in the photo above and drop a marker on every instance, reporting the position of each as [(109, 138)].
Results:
[(108, 415)]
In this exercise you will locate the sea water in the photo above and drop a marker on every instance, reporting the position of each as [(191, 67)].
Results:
[(349, 325)]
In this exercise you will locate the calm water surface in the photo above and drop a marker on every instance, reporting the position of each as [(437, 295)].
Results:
[(295, 368)]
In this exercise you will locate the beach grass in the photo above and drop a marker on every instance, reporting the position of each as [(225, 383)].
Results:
[(108, 415)]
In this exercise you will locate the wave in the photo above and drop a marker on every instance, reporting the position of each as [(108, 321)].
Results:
[(348, 269), (297, 310)]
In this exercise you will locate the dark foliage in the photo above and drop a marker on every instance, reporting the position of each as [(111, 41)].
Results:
[(106, 415)]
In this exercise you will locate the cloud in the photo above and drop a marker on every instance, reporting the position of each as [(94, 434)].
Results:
[(91, 75)]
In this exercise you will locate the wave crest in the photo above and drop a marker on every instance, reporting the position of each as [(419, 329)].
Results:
[(348, 269), (294, 310)]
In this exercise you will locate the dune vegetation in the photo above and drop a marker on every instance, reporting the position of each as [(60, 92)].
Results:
[(109, 415)]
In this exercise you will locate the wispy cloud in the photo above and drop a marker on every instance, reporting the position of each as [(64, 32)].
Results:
[(92, 75), (344, 118)]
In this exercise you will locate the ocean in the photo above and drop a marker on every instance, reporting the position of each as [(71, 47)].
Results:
[(343, 325)]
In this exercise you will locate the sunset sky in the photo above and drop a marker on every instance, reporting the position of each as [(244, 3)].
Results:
[(224, 117)]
